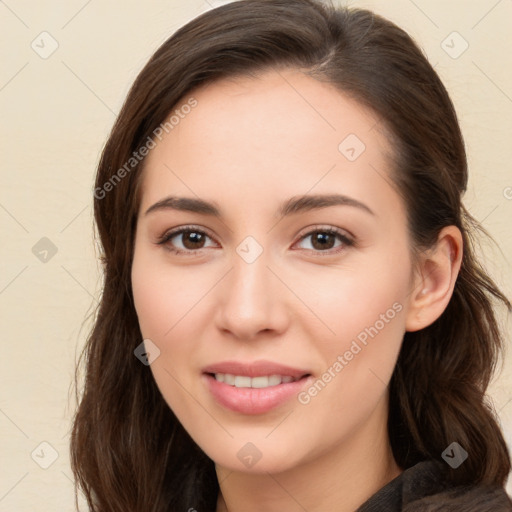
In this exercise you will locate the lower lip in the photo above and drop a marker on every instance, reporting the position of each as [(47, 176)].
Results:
[(253, 400)]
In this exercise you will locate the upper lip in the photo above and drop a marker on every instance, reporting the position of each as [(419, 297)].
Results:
[(255, 369)]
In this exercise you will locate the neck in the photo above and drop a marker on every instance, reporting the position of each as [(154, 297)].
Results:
[(340, 480)]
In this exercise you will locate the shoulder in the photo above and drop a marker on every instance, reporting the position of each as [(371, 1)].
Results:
[(463, 499), (426, 488)]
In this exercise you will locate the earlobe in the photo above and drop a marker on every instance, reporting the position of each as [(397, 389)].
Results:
[(436, 276)]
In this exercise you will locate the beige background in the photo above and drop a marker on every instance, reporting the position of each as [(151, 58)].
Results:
[(56, 113)]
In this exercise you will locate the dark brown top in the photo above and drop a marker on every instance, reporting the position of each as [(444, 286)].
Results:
[(425, 488)]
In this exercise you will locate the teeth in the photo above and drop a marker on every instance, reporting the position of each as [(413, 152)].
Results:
[(242, 381), (274, 380)]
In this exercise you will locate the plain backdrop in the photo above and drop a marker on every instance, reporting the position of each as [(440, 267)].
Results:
[(66, 69)]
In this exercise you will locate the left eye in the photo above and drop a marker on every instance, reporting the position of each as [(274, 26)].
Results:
[(324, 240)]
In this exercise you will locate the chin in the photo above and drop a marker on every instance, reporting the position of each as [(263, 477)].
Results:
[(259, 456)]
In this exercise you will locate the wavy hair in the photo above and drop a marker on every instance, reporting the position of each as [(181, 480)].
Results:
[(128, 450)]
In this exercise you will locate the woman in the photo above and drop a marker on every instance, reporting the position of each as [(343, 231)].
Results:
[(292, 317)]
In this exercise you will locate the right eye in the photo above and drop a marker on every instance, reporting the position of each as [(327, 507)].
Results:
[(187, 240)]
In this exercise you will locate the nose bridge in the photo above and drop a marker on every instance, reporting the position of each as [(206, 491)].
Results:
[(251, 301), (249, 279)]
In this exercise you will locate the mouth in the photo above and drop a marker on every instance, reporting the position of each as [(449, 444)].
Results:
[(244, 381), (254, 388)]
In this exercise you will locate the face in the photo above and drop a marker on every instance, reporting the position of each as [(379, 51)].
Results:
[(272, 270)]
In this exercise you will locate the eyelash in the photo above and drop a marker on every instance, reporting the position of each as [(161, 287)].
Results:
[(166, 237)]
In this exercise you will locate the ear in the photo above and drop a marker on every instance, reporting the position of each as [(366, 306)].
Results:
[(435, 279)]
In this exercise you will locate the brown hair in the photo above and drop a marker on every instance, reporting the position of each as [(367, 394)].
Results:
[(128, 450)]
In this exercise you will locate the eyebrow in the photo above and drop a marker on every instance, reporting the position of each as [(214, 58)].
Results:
[(297, 204)]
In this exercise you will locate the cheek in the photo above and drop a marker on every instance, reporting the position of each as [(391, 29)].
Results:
[(162, 298), (150, 299), (354, 296), (172, 310), (358, 362), (364, 309), (162, 302)]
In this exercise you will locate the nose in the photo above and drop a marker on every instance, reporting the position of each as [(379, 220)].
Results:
[(252, 301)]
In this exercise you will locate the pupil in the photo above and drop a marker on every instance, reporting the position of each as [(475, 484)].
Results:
[(322, 241), (192, 240)]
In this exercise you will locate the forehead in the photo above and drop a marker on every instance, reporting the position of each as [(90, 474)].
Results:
[(279, 132)]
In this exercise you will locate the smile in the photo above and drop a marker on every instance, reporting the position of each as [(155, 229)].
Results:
[(243, 381), (253, 388)]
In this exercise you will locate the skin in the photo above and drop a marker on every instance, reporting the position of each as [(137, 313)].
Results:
[(248, 146)]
